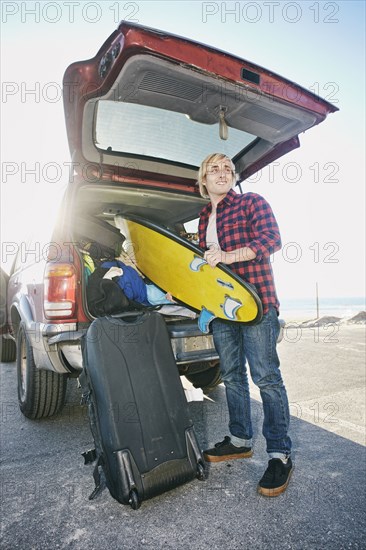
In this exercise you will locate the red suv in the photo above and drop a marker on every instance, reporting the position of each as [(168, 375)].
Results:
[(141, 116)]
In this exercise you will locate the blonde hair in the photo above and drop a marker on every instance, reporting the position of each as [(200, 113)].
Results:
[(211, 159)]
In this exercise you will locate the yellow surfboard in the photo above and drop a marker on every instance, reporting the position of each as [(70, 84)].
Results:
[(177, 266)]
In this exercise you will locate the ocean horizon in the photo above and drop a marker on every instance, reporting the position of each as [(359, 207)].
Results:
[(305, 308)]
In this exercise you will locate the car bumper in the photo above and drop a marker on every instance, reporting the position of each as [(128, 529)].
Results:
[(189, 346)]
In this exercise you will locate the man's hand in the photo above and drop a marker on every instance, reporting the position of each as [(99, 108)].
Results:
[(215, 255)]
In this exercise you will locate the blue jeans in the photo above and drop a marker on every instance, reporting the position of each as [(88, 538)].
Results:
[(237, 344)]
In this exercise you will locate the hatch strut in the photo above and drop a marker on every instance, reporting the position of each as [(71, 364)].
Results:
[(101, 169)]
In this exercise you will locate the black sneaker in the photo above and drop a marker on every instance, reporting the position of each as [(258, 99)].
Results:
[(275, 478), (225, 450)]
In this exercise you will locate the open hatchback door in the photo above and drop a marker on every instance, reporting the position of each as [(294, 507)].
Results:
[(150, 106)]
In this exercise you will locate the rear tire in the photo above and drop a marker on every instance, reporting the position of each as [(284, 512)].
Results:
[(207, 379), (8, 350), (41, 393)]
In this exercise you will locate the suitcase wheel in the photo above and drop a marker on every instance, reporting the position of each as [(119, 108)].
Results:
[(201, 474), (134, 500)]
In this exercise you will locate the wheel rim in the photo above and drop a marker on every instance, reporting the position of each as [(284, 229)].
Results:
[(23, 369)]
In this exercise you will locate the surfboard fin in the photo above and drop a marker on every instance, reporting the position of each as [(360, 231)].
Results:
[(204, 320), (197, 263), (230, 307)]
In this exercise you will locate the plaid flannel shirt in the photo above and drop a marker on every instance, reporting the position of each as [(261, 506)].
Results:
[(247, 220)]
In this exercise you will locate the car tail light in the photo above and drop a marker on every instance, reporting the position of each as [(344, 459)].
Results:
[(59, 290)]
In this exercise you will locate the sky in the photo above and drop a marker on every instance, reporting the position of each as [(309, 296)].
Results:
[(317, 192)]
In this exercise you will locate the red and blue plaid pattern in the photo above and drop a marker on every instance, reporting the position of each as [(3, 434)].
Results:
[(247, 220)]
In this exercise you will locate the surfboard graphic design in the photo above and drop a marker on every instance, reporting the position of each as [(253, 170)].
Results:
[(177, 265)]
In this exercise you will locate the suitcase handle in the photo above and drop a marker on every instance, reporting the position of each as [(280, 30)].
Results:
[(139, 310), (129, 315)]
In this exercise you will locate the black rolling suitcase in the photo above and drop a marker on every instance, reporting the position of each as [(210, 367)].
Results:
[(144, 440)]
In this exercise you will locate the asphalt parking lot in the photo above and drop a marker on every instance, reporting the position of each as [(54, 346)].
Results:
[(45, 485)]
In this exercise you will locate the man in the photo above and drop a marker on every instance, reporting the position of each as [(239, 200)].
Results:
[(241, 231)]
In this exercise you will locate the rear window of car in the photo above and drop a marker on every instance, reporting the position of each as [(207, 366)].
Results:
[(153, 132)]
